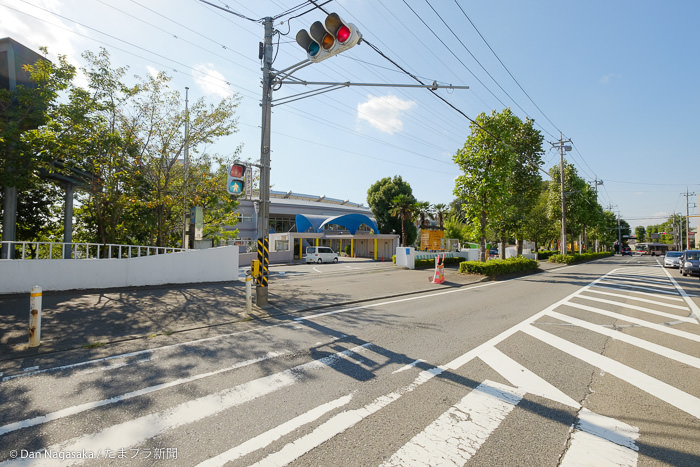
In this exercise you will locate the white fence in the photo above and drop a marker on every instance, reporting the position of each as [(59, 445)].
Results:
[(188, 266), (57, 250)]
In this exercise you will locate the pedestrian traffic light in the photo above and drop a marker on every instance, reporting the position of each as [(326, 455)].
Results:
[(235, 183), (324, 40)]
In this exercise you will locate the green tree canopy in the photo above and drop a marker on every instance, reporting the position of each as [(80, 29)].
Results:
[(380, 198), (500, 181)]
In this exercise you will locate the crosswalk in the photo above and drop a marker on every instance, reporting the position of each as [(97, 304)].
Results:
[(614, 306)]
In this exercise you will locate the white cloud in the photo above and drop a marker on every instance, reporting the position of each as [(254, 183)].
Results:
[(40, 28), (385, 112), (153, 71), (609, 77), (212, 81)]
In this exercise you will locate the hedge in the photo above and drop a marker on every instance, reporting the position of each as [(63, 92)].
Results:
[(543, 255), (430, 263), (576, 258), (496, 267)]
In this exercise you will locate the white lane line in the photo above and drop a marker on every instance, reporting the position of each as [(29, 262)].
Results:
[(601, 441), (615, 285), (622, 337), (636, 299), (265, 439), (347, 419), (695, 310), (640, 322), (666, 296), (408, 367), (67, 412), (401, 300), (341, 422), (456, 435), (140, 429), (667, 393), (521, 377), (640, 308), (640, 283)]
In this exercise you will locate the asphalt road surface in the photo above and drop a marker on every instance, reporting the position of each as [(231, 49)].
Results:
[(596, 364)]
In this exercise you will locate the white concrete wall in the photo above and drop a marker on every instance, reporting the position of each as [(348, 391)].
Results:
[(208, 265)]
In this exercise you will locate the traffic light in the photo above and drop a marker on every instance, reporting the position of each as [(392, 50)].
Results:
[(324, 40), (235, 183)]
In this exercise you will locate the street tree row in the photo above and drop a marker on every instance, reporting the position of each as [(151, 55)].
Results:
[(128, 140)]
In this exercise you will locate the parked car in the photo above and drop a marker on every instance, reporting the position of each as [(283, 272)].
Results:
[(690, 262), (320, 254), (673, 259)]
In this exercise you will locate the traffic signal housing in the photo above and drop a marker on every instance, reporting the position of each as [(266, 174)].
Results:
[(324, 40), (235, 183)]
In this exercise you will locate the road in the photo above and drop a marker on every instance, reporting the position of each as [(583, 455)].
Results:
[(597, 363)]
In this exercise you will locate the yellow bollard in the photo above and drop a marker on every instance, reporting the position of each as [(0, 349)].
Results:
[(35, 316)]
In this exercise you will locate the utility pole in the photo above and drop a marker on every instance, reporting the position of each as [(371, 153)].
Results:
[(687, 218), (595, 187), (560, 145), (261, 291), (186, 164)]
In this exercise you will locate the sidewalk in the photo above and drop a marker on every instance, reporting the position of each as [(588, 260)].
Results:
[(77, 319)]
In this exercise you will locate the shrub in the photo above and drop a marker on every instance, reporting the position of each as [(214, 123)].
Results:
[(430, 263), (497, 267), (576, 258), (543, 255)]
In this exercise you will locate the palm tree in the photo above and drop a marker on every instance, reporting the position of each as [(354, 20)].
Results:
[(440, 210), (403, 206), (424, 212)]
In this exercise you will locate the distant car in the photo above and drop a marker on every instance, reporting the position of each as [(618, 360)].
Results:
[(690, 262), (673, 259), (626, 251), (320, 254), (493, 252)]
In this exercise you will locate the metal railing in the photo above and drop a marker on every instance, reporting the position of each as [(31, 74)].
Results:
[(58, 250)]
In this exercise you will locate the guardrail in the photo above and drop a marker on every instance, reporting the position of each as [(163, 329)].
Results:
[(59, 250)]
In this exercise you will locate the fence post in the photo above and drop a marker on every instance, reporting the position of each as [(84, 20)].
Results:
[(35, 316)]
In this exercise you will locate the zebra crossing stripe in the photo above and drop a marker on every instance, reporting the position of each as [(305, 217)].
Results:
[(456, 435), (601, 441), (667, 393)]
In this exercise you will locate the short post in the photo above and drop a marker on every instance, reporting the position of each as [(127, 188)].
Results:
[(248, 292), (35, 316)]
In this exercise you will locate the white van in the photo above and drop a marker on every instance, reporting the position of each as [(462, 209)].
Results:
[(320, 254)]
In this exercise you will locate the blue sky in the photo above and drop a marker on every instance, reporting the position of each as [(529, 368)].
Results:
[(621, 79)]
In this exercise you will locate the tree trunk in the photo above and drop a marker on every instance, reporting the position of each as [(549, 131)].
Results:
[(482, 237)]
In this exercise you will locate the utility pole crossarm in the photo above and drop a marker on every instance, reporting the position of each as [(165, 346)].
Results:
[(433, 86)]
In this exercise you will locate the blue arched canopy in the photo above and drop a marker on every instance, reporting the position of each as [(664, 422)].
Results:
[(351, 222)]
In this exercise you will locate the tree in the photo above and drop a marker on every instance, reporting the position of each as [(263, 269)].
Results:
[(440, 211), (640, 232), (131, 138), (380, 199), (22, 110), (405, 208), (500, 161), (538, 227)]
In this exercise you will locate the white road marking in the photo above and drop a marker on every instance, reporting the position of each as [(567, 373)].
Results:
[(140, 429), (637, 299), (408, 367), (640, 308), (618, 286), (667, 393), (640, 322), (601, 441), (455, 436), (667, 296), (76, 409), (622, 337), (693, 306), (265, 439), (521, 377)]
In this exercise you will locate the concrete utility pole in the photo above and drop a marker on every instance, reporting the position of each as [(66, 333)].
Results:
[(560, 145), (186, 163), (687, 218), (595, 187), (261, 291)]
